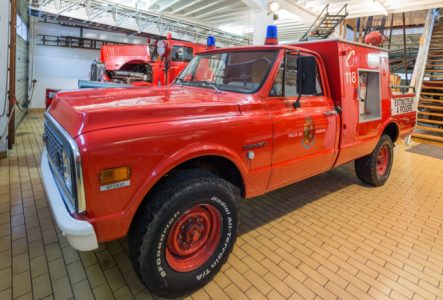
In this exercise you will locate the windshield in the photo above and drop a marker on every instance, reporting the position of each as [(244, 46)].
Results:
[(237, 71)]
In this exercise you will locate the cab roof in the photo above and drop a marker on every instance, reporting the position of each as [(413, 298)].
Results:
[(261, 47)]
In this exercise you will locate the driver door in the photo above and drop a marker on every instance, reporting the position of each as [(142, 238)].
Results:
[(304, 138)]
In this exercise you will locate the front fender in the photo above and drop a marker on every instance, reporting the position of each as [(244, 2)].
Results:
[(190, 152), (117, 225)]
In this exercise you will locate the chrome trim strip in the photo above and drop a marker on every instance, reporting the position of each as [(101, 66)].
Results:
[(70, 202), (55, 137), (81, 199)]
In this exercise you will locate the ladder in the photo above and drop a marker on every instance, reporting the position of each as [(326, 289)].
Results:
[(325, 24), (430, 103)]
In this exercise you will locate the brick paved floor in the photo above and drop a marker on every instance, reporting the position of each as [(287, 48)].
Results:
[(326, 237)]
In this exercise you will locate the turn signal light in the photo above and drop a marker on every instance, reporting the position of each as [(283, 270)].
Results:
[(115, 175)]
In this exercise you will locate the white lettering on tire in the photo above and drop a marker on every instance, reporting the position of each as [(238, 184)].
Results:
[(217, 259), (160, 244)]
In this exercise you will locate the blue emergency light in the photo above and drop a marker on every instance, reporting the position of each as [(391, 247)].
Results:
[(210, 42), (271, 35)]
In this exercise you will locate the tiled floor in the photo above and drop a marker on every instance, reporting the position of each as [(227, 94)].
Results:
[(326, 237)]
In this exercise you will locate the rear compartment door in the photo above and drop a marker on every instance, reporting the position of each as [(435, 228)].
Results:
[(372, 76), (365, 73)]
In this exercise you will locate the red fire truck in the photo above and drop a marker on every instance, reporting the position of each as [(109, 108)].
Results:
[(166, 165), (144, 65)]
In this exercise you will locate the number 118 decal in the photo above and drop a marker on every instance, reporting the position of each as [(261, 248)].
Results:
[(351, 77)]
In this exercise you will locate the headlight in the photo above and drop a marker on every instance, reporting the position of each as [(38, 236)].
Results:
[(67, 171)]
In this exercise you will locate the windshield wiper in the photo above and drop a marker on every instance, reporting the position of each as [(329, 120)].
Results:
[(211, 84)]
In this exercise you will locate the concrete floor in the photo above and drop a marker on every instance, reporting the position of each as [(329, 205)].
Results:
[(326, 237)]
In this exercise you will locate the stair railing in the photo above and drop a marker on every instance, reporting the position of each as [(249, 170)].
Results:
[(423, 53), (305, 36), (345, 14), (345, 7)]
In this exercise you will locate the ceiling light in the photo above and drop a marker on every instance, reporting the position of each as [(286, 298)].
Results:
[(274, 6)]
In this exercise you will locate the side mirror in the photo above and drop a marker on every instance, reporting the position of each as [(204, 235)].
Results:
[(306, 75)]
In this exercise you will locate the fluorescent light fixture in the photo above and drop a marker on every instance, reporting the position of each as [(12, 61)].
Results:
[(274, 6)]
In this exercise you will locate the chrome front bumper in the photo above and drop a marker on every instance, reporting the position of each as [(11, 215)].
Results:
[(80, 234)]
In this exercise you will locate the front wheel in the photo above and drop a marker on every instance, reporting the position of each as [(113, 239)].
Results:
[(375, 168), (184, 234)]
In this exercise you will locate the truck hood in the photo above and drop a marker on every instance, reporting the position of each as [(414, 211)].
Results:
[(87, 110)]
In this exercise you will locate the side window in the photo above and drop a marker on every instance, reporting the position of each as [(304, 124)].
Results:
[(318, 87), (285, 84), (287, 73), (291, 76), (277, 87)]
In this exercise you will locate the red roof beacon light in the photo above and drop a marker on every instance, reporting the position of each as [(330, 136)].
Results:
[(210, 42), (271, 35), (374, 38)]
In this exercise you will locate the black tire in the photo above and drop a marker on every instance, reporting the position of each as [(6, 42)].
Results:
[(169, 202), (366, 167)]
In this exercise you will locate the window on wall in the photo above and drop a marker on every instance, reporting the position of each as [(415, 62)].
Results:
[(182, 53), (22, 28)]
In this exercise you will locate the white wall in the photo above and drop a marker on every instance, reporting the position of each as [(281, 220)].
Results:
[(4, 41), (61, 68)]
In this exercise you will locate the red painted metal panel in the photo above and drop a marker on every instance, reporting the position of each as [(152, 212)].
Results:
[(115, 56)]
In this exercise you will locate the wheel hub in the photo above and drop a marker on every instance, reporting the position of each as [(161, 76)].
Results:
[(383, 159), (193, 238)]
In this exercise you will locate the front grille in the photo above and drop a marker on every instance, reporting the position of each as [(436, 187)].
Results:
[(54, 146)]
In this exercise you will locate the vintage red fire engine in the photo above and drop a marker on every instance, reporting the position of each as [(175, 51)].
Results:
[(166, 165), (144, 65)]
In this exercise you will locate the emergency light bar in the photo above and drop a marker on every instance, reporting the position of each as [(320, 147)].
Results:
[(271, 35), (210, 42)]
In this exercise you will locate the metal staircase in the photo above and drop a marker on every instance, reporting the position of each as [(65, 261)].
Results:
[(325, 24), (430, 103)]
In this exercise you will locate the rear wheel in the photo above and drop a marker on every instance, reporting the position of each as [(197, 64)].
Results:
[(375, 168), (184, 233)]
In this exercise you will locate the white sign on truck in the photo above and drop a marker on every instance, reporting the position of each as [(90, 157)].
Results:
[(402, 105)]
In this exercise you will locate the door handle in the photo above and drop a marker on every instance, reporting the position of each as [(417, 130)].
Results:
[(330, 113)]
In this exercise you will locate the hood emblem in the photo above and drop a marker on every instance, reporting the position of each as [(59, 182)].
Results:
[(255, 145)]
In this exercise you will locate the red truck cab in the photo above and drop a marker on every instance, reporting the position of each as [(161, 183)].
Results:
[(140, 65), (165, 165)]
